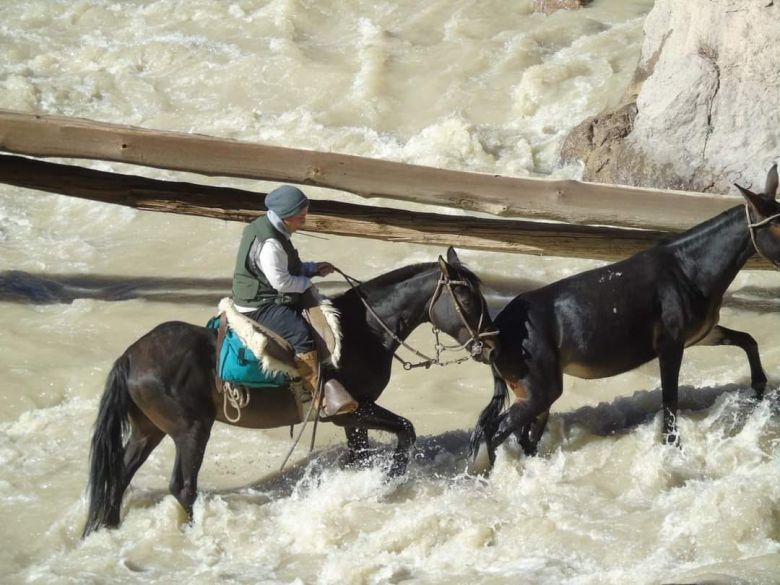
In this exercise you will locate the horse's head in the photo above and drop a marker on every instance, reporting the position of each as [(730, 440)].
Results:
[(459, 309), (764, 218)]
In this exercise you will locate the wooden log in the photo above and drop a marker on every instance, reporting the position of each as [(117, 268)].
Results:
[(334, 217), (558, 200), (331, 217)]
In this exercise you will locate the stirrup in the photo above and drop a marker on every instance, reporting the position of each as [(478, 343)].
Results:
[(337, 399)]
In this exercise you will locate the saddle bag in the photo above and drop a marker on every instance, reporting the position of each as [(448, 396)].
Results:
[(237, 363)]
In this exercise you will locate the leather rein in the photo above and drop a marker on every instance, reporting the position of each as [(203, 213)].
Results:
[(445, 283)]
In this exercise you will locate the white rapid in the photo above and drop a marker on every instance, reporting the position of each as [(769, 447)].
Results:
[(486, 86)]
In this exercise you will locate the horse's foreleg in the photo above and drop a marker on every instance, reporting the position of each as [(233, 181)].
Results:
[(357, 443), (372, 416), (724, 336), (190, 447)]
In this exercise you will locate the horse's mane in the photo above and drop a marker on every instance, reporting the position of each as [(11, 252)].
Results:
[(714, 223), (405, 272), (464, 272)]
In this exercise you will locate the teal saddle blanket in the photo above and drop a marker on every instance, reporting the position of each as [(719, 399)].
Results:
[(238, 365)]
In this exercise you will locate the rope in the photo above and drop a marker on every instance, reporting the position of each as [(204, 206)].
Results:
[(237, 397), (315, 400)]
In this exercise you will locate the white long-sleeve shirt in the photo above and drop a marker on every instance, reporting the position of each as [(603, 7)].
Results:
[(270, 258)]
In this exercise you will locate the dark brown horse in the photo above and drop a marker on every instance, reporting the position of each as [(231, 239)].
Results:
[(164, 383), (613, 319)]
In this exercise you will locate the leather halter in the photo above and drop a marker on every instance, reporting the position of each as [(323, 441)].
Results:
[(475, 336), (753, 226)]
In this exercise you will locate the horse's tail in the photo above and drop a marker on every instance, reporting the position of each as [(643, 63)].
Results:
[(106, 466), (487, 424)]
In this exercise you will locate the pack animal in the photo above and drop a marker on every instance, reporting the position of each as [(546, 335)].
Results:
[(164, 383), (613, 319)]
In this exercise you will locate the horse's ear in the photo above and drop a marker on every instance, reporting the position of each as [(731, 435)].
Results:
[(452, 257), (445, 268), (770, 190), (759, 203)]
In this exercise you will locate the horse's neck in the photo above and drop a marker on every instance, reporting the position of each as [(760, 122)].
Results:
[(403, 305), (712, 253)]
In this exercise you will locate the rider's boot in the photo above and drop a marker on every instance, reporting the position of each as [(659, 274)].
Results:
[(337, 399)]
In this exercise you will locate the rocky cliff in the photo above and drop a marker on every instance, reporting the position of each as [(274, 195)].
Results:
[(704, 108)]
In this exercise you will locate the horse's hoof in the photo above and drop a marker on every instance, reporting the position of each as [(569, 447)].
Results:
[(398, 468), (672, 440), (759, 389), (362, 460), (479, 463)]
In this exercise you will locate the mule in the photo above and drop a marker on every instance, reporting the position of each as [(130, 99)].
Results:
[(164, 383), (610, 320)]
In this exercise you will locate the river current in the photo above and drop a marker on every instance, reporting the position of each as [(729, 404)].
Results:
[(486, 86)]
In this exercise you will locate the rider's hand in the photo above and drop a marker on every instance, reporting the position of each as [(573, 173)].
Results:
[(324, 268)]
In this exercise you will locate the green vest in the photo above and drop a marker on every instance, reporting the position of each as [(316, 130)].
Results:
[(254, 290)]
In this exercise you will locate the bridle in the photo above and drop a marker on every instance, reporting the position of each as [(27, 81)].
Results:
[(753, 226), (445, 283)]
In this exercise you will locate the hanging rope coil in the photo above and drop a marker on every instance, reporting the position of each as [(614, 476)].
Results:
[(235, 396)]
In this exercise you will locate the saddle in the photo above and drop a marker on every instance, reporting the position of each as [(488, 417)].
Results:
[(251, 355)]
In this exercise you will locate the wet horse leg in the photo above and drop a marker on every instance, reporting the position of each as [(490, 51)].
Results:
[(670, 354), (529, 436), (357, 443), (144, 437), (724, 336), (190, 447), (528, 415), (142, 441), (373, 416)]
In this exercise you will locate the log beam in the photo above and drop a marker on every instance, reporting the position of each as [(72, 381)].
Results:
[(330, 217), (558, 200), (334, 217)]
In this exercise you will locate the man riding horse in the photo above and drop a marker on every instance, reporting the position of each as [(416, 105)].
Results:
[(270, 280)]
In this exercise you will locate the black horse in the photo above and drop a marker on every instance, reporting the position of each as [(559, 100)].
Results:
[(164, 383), (612, 319)]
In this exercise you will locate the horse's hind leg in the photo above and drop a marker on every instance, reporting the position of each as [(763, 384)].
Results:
[(527, 417), (190, 447), (518, 420), (144, 437), (529, 436), (724, 336)]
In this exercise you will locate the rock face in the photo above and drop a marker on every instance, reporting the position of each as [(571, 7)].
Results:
[(703, 111), (550, 6)]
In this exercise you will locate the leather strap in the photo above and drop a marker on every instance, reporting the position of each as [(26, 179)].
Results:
[(221, 331)]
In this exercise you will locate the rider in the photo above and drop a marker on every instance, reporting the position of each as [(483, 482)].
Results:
[(270, 279)]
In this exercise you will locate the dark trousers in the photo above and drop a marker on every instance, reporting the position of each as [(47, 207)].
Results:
[(287, 322)]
